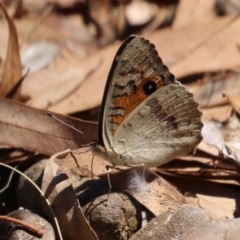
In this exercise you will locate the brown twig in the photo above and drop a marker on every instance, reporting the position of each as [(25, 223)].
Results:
[(24, 224)]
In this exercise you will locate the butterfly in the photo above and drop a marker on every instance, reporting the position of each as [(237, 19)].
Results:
[(147, 117)]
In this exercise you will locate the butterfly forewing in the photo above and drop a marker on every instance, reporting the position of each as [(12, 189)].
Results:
[(136, 66)]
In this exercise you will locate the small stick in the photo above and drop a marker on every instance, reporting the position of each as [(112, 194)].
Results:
[(24, 224)]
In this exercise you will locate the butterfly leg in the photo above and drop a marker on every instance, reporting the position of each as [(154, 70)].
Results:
[(109, 169)]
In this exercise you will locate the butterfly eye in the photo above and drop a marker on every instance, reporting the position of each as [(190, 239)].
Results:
[(149, 87)]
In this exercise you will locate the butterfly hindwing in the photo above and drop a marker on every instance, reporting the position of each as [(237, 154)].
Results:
[(166, 125)]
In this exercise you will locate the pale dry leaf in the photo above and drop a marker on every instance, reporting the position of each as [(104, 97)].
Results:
[(3, 39), (212, 135), (33, 130), (60, 193), (189, 12), (212, 194), (231, 136), (38, 55), (192, 37), (210, 94), (211, 150), (218, 203), (56, 88), (12, 72), (31, 30), (224, 137), (220, 114), (234, 100), (189, 37), (217, 51), (219, 207), (90, 93), (216, 229)]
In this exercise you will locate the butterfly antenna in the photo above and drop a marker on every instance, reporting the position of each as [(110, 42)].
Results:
[(51, 115)]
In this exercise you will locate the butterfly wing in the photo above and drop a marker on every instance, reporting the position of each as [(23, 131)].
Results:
[(134, 66), (166, 125)]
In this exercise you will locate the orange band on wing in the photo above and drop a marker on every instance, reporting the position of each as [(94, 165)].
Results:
[(133, 99), (117, 119)]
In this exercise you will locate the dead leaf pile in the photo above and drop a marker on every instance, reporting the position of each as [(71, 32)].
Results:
[(55, 57)]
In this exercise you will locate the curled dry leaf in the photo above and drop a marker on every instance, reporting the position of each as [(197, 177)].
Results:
[(118, 219), (33, 130), (62, 198), (12, 72), (60, 194), (27, 195)]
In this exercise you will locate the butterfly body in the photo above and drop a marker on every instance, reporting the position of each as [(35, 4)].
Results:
[(147, 117)]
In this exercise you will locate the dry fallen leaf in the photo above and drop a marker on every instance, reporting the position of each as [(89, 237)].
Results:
[(224, 136), (153, 192), (189, 12), (217, 229), (200, 47), (210, 94), (12, 72), (33, 130), (211, 53), (59, 192), (198, 56), (58, 85)]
